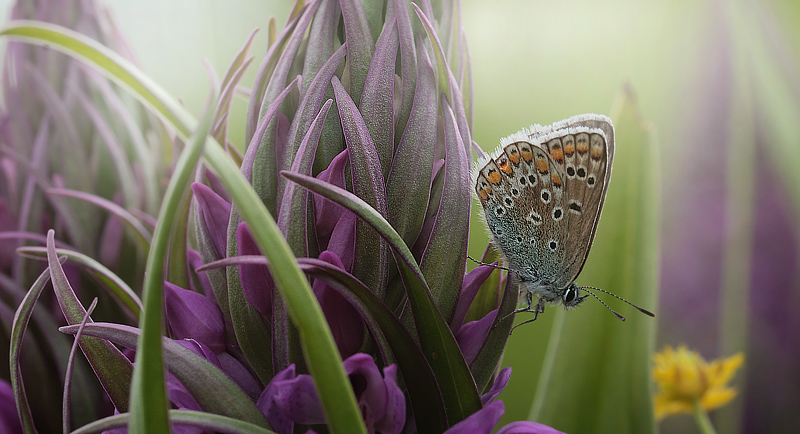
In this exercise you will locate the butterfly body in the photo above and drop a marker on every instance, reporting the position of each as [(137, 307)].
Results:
[(542, 192)]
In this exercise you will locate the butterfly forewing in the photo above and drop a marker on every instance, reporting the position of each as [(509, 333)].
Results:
[(543, 192), (583, 146), (522, 193)]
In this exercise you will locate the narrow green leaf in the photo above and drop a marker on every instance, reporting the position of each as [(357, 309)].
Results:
[(112, 368), (444, 256), (141, 234), (360, 45), (70, 367), (423, 390), (440, 347), (148, 393), (210, 386), (18, 328), (203, 421), (118, 288), (371, 264)]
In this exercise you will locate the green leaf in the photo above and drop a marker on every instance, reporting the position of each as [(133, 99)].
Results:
[(205, 421), (423, 391), (595, 362), (440, 347), (148, 393), (209, 385), (324, 363), (112, 368), (117, 287), (18, 328)]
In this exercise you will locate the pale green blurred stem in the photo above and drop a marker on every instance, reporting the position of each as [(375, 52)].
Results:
[(703, 421), (740, 211), (547, 367)]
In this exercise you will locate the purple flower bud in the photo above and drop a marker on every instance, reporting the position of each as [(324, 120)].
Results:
[(499, 384), (216, 214), (199, 281), (469, 288), (472, 335), (480, 422), (329, 213), (291, 398), (227, 363), (192, 315), (344, 320), (256, 280)]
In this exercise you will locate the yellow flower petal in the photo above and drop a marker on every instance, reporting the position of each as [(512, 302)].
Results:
[(727, 368), (716, 398), (684, 378)]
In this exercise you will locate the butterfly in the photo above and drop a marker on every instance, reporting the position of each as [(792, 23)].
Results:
[(542, 193)]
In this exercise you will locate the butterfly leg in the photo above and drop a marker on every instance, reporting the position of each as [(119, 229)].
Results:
[(539, 308)]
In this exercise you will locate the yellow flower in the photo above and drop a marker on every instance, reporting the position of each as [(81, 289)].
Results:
[(685, 380)]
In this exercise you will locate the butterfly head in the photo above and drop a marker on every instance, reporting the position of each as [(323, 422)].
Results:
[(572, 296)]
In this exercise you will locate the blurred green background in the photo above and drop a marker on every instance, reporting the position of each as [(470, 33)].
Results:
[(718, 83)]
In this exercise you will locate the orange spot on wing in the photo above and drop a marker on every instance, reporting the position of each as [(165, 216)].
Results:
[(504, 166), (483, 194), (556, 180), (514, 157), (569, 148), (597, 153), (542, 165), (527, 155), (493, 176), (557, 154)]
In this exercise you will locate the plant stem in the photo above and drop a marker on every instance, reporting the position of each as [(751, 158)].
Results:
[(703, 421)]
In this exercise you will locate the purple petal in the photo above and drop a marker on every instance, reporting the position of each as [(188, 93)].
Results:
[(296, 398), (525, 427), (239, 374), (266, 402), (344, 320), (192, 315), (179, 396), (9, 420), (227, 363), (472, 335), (469, 288), (328, 212), (216, 185), (216, 214), (480, 422), (395, 417), (199, 281), (342, 242), (256, 280), (201, 350), (499, 384), (368, 386)]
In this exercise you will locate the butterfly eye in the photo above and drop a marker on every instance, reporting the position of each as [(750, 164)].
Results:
[(570, 295)]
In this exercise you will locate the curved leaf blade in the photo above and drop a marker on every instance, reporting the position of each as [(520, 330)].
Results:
[(440, 347)]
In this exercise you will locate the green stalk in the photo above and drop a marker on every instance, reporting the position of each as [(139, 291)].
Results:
[(702, 419)]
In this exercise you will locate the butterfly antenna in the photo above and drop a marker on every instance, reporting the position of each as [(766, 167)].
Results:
[(642, 310), (603, 303), (499, 267)]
